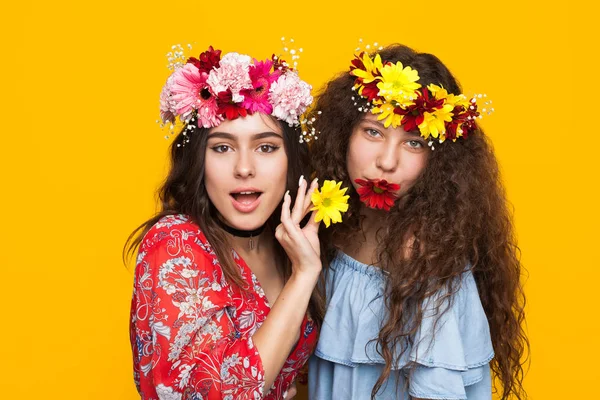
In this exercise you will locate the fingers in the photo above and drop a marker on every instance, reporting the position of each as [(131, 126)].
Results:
[(291, 392), (312, 225), (290, 228), (307, 200), (297, 213), (303, 200), (285, 207)]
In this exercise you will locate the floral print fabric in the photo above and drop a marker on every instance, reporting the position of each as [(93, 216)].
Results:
[(191, 330)]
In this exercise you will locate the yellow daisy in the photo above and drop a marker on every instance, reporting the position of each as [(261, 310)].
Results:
[(371, 66), (441, 93), (386, 111), (434, 122), (330, 202), (398, 83)]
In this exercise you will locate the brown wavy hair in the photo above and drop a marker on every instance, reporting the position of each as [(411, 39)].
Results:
[(184, 192), (455, 215)]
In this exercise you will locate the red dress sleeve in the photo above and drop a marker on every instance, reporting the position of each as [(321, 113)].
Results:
[(184, 342)]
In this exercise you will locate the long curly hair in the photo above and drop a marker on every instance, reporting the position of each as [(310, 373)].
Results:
[(184, 192), (455, 215)]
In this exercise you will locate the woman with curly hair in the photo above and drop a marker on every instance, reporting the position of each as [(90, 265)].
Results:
[(423, 288)]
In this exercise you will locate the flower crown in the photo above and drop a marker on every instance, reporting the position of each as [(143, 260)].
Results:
[(392, 93), (211, 88)]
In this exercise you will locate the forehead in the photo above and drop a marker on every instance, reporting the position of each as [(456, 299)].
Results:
[(248, 126)]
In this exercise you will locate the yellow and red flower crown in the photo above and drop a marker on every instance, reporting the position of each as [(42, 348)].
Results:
[(394, 95)]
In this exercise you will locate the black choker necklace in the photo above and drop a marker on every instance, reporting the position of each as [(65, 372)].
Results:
[(241, 233)]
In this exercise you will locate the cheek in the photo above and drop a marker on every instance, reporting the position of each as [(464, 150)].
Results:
[(358, 157), (273, 171), (412, 167), (215, 175)]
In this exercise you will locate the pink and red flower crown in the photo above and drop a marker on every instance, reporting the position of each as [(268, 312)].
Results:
[(212, 88), (394, 95)]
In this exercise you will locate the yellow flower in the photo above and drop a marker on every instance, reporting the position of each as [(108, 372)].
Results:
[(398, 83), (386, 111), (371, 66), (330, 202), (441, 93), (434, 122)]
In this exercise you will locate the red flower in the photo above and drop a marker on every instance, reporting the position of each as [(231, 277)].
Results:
[(208, 60), (227, 107), (463, 119), (414, 114), (370, 90), (377, 193), (357, 63)]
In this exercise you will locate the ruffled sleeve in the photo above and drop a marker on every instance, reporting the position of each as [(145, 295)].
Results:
[(184, 341), (451, 355)]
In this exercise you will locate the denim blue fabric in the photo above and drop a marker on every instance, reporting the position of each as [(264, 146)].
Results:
[(452, 357)]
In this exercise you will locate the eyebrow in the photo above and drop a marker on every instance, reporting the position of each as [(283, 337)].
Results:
[(377, 122), (256, 136)]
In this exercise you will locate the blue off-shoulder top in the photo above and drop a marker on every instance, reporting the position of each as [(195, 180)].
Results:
[(452, 357)]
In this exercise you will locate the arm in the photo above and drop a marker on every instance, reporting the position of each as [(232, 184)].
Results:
[(276, 337), (182, 334)]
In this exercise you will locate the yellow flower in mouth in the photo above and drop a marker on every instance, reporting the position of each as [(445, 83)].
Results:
[(330, 202), (398, 83)]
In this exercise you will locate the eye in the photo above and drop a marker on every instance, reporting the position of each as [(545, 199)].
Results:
[(415, 144), (373, 132), (221, 148), (267, 148)]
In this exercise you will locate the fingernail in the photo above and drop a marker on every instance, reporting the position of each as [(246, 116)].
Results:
[(300, 180), (316, 180), (287, 193)]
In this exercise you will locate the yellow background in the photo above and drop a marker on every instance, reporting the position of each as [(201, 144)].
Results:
[(81, 157)]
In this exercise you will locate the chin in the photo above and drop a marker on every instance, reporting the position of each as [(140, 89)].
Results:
[(247, 222)]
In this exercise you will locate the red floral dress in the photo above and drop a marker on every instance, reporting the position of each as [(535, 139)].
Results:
[(191, 331)]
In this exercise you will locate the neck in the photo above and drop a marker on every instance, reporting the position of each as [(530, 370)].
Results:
[(363, 243), (249, 240), (250, 245), (372, 221)]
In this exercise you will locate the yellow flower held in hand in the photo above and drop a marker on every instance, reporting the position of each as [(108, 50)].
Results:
[(330, 202)]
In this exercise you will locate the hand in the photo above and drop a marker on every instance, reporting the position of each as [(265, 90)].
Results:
[(301, 245), (291, 392)]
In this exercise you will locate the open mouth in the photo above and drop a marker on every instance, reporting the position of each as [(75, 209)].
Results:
[(245, 200), (246, 197)]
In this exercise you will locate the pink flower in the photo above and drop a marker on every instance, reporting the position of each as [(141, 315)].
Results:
[(188, 83), (167, 110), (257, 98), (290, 97), (232, 75), (208, 109)]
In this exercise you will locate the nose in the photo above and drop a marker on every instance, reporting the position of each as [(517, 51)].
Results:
[(388, 158), (244, 166)]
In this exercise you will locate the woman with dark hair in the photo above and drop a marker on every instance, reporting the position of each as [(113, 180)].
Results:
[(224, 273), (423, 285)]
